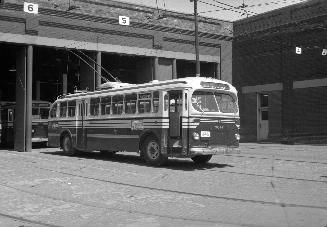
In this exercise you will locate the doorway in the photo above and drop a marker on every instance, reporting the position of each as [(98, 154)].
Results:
[(263, 117)]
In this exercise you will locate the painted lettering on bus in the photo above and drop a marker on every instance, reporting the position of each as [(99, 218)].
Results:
[(137, 125)]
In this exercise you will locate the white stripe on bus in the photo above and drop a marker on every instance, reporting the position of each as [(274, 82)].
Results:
[(111, 136)]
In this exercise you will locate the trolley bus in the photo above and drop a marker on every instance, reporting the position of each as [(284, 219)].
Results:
[(40, 113), (191, 117)]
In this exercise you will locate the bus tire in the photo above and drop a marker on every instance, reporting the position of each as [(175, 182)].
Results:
[(67, 145), (201, 159), (151, 152)]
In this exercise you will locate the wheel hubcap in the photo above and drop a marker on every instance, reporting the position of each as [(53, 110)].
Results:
[(67, 144), (153, 150)]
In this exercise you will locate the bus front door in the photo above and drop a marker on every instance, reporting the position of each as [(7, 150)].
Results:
[(80, 125), (175, 120)]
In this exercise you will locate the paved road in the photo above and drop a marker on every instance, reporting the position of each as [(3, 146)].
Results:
[(265, 185)]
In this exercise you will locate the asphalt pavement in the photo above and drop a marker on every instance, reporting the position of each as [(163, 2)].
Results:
[(264, 185)]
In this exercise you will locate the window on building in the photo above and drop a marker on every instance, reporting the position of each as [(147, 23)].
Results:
[(264, 100), (10, 115)]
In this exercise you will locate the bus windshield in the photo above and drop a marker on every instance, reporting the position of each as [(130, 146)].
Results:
[(208, 101)]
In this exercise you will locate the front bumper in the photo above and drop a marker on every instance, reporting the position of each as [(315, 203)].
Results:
[(39, 140), (214, 150)]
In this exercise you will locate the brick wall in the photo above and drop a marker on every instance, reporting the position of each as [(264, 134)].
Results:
[(264, 53)]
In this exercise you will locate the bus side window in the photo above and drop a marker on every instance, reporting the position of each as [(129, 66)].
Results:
[(144, 103), (53, 111), (105, 105), (35, 113), (71, 108), (130, 103), (63, 109), (155, 101), (94, 106), (117, 104)]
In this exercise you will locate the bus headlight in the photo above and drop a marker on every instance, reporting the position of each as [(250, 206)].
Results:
[(237, 136), (196, 136)]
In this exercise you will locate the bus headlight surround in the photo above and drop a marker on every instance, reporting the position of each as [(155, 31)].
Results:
[(196, 136)]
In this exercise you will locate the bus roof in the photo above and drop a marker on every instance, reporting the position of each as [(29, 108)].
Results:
[(187, 82)]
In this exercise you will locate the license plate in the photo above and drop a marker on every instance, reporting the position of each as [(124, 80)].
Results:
[(205, 134)]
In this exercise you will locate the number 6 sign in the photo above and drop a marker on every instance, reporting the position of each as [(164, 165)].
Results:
[(31, 8)]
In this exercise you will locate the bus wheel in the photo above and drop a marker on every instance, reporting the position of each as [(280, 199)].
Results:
[(201, 159), (67, 145), (152, 153)]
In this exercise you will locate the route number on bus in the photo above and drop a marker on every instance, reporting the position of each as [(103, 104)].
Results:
[(31, 8), (123, 20)]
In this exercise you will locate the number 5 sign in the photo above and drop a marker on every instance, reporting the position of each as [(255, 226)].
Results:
[(123, 20), (31, 8)]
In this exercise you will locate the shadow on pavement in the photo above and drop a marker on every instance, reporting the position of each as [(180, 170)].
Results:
[(175, 164)]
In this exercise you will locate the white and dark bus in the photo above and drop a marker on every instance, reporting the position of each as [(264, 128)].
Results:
[(191, 117)]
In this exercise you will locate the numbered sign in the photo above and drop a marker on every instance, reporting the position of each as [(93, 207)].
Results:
[(31, 8), (298, 50), (123, 20), (324, 52)]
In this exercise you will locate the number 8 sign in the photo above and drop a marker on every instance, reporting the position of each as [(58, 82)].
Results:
[(31, 8)]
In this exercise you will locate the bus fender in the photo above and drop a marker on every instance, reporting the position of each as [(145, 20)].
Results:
[(63, 133), (148, 133)]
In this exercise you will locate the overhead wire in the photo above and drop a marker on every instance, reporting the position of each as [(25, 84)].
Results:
[(221, 7), (91, 59)]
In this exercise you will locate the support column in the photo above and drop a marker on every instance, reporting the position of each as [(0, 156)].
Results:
[(29, 80), (23, 108), (20, 110), (174, 69), (98, 68), (155, 67), (64, 83), (218, 71), (38, 90)]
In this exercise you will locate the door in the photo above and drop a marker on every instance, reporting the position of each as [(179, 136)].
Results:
[(263, 117), (175, 113), (80, 125)]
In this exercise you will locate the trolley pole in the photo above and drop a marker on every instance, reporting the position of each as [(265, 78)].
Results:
[(197, 61)]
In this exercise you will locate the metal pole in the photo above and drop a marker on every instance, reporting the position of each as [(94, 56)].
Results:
[(197, 61), (28, 135)]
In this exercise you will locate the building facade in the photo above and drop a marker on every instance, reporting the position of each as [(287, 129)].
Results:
[(280, 70)]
